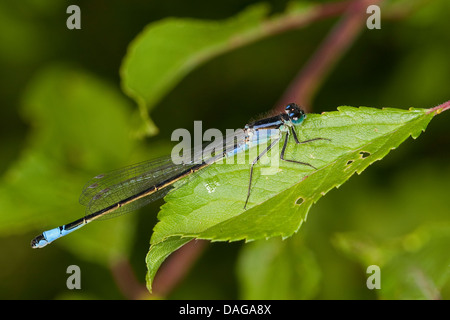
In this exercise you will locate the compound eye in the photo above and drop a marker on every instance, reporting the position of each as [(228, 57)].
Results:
[(295, 113)]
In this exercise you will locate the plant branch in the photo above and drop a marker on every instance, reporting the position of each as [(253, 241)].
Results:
[(126, 280), (177, 266), (440, 108)]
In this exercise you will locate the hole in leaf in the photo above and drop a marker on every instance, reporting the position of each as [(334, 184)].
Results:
[(349, 162), (299, 201), (364, 154)]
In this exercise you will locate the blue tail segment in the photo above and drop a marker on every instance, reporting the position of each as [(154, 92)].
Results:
[(51, 235)]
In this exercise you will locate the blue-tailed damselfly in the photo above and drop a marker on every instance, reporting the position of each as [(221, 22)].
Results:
[(132, 187)]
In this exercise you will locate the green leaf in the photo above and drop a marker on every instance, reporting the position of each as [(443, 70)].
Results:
[(277, 269), (211, 205), (413, 266), (66, 107), (165, 51)]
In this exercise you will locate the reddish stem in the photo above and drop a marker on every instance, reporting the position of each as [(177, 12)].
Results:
[(127, 281), (175, 268), (440, 108)]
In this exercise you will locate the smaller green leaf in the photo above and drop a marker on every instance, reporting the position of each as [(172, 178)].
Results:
[(167, 50)]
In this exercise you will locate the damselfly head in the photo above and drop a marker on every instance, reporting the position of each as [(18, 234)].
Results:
[(295, 113)]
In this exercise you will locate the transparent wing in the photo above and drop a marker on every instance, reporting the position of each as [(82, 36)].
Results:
[(99, 184), (107, 189), (110, 188)]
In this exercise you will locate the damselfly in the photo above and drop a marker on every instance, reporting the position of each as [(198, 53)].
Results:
[(132, 187)]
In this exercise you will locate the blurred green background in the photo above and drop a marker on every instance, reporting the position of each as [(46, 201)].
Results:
[(64, 119)]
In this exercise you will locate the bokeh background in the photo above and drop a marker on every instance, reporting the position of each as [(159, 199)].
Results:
[(64, 118)]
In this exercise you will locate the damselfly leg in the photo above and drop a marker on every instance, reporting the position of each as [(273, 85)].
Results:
[(292, 131)]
